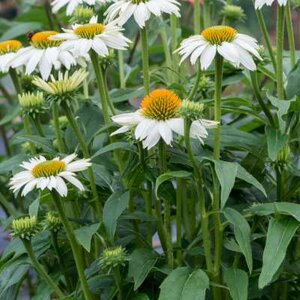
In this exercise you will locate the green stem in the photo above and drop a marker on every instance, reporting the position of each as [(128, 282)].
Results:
[(40, 269), (179, 197), (200, 193), (101, 87), (61, 261), (216, 185), (279, 184), (291, 35), (86, 155), (60, 140), (206, 13), (266, 36), (27, 131), (11, 210), (145, 57), (15, 79), (121, 69), (196, 84), (197, 17), (110, 103), (76, 249), (38, 125), (118, 281), (280, 41), (259, 98), (174, 44), (168, 57)]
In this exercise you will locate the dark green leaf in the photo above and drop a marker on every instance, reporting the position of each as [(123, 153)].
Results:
[(112, 147), (276, 141), (85, 234), (237, 281)]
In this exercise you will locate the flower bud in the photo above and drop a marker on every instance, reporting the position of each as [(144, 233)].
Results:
[(53, 222), (25, 227), (112, 258), (283, 156), (82, 15), (233, 13), (32, 103), (191, 110)]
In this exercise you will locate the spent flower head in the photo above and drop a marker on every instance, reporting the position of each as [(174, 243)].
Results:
[(25, 227), (112, 258)]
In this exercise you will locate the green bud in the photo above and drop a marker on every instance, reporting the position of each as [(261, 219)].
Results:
[(112, 258), (25, 227), (205, 83), (191, 110), (53, 221), (106, 61), (233, 13), (82, 15), (63, 122), (32, 103), (27, 85), (284, 155)]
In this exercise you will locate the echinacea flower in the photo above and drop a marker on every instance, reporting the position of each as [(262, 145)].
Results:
[(8, 51), (260, 3), (158, 117), (43, 54), (92, 36), (141, 10), (72, 4), (235, 47), (41, 173)]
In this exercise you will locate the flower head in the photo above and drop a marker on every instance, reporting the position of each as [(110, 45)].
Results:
[(8, 51), (158, 117), (43, 54), (93, 36), (41, 173), (82, 15), (142, 10), (25, 227), (235, 47), (53, 221), (233, 12), (191, 110), (73, 4), (31, 103), (64, 87), (260, 3), (112, 258)]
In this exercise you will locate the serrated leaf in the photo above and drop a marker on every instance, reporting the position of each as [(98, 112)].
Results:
[(141, 263), (242, 233), (85, 234), (237, 281), (279, 236)]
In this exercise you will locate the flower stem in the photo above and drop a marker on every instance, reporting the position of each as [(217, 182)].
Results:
[(27, 131), (121, 69), (290, 31), (10, 209), (280, 41), (196, 84), (101, 86), (163, 169), (216, 185), (15, 79), (197, 17), (174, 44), (168, 57), (38, 126), (200, 193), (145, 57), (179, 197), (86, 155), (40, 269), (266, 36), (118, 281), (76, 249), (259, 98), (55, 116)]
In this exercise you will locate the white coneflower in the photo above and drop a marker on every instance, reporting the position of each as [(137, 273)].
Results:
[(141, 10), (235, 47), (8, 51), (158, 117), (260, 3), (44, 54), (72, 4), (64, 83), (51, 174), (93, 36)]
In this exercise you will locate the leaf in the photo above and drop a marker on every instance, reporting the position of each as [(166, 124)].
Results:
[(242, 233), (276, 141), (243, 174), (284, 208), (85, 234), (140, 297), (39, 141), (20, 29), (279, 235), (12, 163), (34, 207), (10, 116), (141, 263), (167, 176), (237, 281), (112, 147), (226, 172), (181, 285), (113, 208), (293, 87)]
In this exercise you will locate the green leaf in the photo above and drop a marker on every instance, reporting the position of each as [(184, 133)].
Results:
[(39, 141), (113, 208), (12, 163), (276, 141), (34, 207), (242, 233), (10, 115), (85, 234), (293, 86), (284, 208), (112, 147), (237, 281), (279, 235), (226, 172), (167, 176), (20, 29), (181, 285), (243, 174), (141, 263), (141, 297)]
